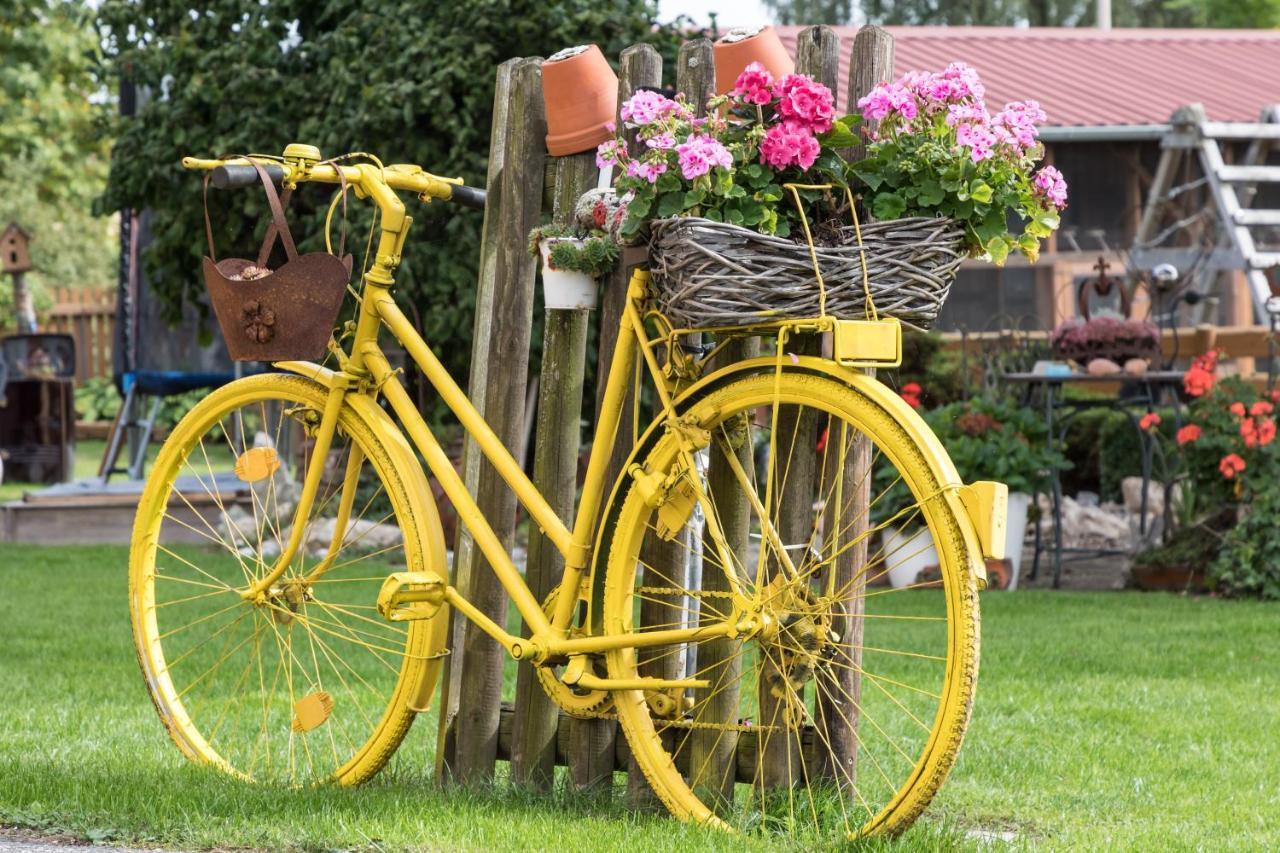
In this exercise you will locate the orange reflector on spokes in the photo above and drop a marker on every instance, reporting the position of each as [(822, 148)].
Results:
[(311, 710), (257, 463)]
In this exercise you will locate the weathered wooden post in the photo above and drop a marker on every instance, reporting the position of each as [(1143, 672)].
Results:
[(500, 361), (555, 470), (666, 564), (840, 696), (593, 742), (818, 55), (15, 259)]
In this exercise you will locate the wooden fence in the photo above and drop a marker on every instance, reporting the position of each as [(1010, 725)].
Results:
[(526, 187), (89, 316)]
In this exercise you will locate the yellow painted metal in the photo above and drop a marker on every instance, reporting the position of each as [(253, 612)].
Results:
[(411, 595), (867, 343), (988, 506), (350, 483), (319, 452), (368, 427), (364, 375)]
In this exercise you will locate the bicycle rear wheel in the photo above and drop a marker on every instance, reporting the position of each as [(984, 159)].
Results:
[(309, 684), (840, 707)]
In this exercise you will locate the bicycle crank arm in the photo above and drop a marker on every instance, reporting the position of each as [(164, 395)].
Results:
[(587, 681)]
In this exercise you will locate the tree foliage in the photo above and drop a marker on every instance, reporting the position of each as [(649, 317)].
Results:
[(53, 156), (408, 81)]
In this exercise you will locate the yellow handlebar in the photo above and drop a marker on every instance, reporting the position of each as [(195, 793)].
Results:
[(365, 178)]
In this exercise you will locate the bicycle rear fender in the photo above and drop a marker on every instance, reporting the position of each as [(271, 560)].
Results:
[(426, 518), (977, 506)]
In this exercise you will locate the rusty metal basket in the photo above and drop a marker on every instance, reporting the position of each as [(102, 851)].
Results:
[(276, 315)]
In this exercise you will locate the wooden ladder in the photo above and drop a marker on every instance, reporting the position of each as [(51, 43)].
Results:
[(1224, 226)]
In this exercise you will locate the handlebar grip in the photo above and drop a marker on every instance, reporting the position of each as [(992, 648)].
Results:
[(236, 176), (468, 197)]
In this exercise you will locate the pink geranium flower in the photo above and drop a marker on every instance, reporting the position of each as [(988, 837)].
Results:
[(754, 85), (646, 107), (700, 154), (1051, 186), (649, 171), (789, 144), (804, 101), (887, 98)]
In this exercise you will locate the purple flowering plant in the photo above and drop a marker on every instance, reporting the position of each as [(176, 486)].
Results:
[(937, 150), (730, 166)]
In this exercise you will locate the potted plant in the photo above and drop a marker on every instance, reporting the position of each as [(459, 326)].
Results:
[(729, 207), (987, 440), (572, 260), (1115, 339)]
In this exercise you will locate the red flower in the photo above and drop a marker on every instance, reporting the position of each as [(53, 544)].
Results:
[(1188, 434), (1199, 377), (1266, 431), (1237, 409), (1149, 421), (1249, 432), (1275, 396), (911, 393), (1231, 465), (1262, 407)]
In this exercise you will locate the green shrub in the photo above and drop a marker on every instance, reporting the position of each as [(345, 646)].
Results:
[(1248, 563)]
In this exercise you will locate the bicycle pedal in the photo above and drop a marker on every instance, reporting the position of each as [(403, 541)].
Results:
[(406, 596), (311, 710), (257, 463)]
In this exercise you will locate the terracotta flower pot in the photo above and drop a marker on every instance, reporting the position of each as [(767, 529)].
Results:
[(739, 48), (580, 92)]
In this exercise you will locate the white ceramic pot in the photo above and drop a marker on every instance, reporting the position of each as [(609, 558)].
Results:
[(908, 553), (565, 289), (1015, 531)]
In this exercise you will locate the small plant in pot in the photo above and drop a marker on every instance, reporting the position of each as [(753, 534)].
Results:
[(1116, 340), (730, 202), (987, 439), (572, 260)]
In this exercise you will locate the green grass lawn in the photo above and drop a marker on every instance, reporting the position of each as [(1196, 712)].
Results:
[(1103, 721)]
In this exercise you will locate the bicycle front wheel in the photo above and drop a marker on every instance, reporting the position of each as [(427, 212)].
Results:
[(839, 708), (307, 684)]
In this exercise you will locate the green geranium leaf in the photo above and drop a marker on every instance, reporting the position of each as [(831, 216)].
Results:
[(998, 249), (980, 191), (888, 206), (669, 204)]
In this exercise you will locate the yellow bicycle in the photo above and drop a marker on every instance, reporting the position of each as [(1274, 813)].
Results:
[(726, 600)]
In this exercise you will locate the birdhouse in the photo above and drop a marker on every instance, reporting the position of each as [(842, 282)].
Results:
[(14, 255)]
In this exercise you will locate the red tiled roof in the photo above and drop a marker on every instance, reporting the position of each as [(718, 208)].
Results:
[(1092, 77)]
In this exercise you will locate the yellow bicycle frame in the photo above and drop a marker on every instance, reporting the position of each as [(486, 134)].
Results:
[(365, 371)]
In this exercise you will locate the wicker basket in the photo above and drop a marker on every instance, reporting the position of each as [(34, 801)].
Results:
[(711, 274)]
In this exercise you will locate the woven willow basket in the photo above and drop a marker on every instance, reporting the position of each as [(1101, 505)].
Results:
[(710, 274)]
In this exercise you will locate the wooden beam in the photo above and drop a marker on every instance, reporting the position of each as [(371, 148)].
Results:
[(504, 369)]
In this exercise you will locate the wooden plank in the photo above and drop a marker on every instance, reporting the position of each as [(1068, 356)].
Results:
[(666, 563), (465, 550), (840, 687), (1249, 174), (591, 761), (1247, 216), (517, 210), (555, 473), (795, 468)]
